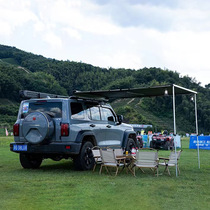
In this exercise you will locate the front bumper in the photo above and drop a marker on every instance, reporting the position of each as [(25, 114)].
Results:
[(159, 143), (51, 148)]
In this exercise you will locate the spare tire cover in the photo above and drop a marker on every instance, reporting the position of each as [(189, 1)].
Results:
[(37, 127)]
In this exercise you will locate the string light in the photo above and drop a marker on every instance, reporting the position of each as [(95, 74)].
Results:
[(166, 92)]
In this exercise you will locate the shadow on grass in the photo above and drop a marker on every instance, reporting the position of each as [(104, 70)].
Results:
[(67, 165), (49, 166)]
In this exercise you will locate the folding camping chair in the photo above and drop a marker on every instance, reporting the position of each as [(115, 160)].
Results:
[(145, 159), (97, 156), (171, 161), (109, 160)]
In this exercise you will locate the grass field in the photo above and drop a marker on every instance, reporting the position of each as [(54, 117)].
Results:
[(56, 185)]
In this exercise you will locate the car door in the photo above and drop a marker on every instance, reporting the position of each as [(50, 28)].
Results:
[(114, 132), (95, 124)]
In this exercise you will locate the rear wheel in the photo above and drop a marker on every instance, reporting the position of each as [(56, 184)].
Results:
[(85, 160), (30, 161)]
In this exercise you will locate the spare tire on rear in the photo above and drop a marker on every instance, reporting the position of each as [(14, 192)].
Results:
[(37, 127)]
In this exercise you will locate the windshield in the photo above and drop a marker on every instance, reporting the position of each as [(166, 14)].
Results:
[(54, 109)]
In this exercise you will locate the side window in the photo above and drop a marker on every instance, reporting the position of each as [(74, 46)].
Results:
[(77, 111), (94, 112), (106, 113)]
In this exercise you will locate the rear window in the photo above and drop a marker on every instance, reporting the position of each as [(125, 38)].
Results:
[(53, 109), (77, 111)]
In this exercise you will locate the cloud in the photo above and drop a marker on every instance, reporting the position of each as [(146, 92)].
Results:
[(121, 59), (171, 3), (39, 26), (5, 29), (113, 33), (73, 33), (75, 15), (188, 53), (158, 14), (14, 14), (54, 40)]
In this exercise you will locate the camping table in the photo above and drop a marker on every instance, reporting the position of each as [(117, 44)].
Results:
[(164, 159), (128, 160)]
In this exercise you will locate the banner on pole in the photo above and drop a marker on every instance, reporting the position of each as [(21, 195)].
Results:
[(204, 142), (145, 139)]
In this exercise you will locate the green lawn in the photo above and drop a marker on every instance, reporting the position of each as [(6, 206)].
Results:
[(56, 185)]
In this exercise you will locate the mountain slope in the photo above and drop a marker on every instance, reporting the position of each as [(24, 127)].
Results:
[(22, 70)]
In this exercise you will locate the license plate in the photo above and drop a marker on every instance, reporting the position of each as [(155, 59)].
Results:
[(17, 147)]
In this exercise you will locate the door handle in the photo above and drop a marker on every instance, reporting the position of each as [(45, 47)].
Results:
[(108, 126), (92, 125)]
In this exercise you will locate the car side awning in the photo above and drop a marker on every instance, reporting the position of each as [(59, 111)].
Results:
[(134, 92)]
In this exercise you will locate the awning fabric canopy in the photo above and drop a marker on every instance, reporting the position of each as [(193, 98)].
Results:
[(133, 92), (172, 90)]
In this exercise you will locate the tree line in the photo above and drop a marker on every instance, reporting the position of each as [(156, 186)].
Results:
[(23, 70)]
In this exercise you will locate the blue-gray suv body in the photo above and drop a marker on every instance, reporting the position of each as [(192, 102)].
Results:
[(59, 128)]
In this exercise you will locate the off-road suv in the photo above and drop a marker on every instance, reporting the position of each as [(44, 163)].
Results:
[(54, 127)]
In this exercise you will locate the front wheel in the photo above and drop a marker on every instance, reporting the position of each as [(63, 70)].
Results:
[(85, 159), (30, 161), (151, 144), (167, 145), (130, 144)]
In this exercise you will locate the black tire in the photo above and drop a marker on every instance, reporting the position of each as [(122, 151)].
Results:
[(85, 160), (30, 161), (167, 145), (130, 144), (141, 143), (151, 144), (37, 127)]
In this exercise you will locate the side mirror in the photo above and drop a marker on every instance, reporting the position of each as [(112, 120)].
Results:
[(120, 118), (111, 118)]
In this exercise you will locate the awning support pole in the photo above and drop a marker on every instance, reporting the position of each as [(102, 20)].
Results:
[(174, 114), (196, 125)]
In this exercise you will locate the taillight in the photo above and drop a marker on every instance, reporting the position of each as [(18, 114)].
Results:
[(16, 129), (64, 129)]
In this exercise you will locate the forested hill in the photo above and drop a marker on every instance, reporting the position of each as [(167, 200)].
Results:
[(22, 70)]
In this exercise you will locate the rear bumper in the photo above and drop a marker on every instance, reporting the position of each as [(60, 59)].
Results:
[(51, 148)]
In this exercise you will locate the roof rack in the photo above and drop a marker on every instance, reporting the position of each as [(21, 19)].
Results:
[(27, 94), (88, 99)]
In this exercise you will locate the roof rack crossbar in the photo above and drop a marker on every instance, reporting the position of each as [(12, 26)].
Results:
[(89, 99), (27, 94)]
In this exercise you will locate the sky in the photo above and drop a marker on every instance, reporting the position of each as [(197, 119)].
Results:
[(170, 34)]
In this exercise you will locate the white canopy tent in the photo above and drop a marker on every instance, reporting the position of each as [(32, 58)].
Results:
[(163, 90)]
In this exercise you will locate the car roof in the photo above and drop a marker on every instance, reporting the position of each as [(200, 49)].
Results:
[(66, 99)]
